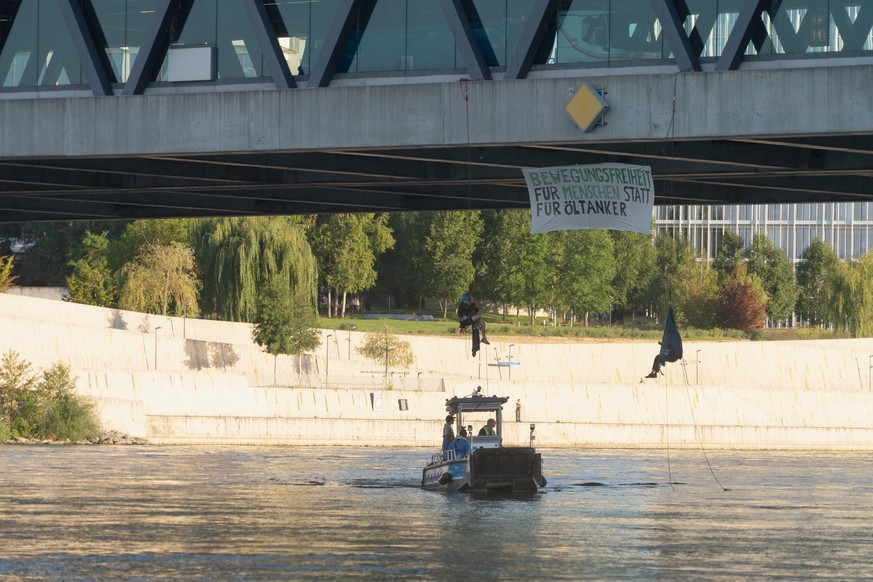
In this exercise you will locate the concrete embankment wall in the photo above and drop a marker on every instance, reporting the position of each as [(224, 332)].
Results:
[(175, 380)]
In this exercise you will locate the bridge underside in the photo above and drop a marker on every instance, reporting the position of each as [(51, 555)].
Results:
[(748, 137), (722, 171)]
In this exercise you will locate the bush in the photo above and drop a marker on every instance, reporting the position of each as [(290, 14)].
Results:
[(43, 406), (62, 414)]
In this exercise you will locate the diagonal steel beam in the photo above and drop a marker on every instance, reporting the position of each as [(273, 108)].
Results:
[(93, 58), (155, 43), (266, 36), (470, 51), (328, 59), (8, 19), (855, 34), (748, 24), (519, 62), (672, 21)]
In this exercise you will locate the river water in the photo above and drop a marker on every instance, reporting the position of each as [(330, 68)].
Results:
[(288, 513)]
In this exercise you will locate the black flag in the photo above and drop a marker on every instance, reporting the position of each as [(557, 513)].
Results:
[(671, 345)]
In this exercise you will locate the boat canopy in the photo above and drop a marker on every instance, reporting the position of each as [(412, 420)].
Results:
[(457, 404)]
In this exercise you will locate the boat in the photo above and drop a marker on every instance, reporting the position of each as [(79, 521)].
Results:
[(483, 463)]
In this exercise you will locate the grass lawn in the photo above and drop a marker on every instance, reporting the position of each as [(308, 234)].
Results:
[(498, 327)]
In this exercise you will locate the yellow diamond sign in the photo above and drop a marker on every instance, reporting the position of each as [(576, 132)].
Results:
[(586, 107)]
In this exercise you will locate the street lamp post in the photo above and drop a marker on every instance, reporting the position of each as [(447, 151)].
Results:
[(697, 368), (351, 328), (156, 346)]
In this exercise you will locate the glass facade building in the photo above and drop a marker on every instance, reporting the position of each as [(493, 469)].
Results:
[(404, 36), (845, 226)]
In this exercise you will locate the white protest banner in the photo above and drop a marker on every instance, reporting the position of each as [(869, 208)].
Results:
[(608, 196)]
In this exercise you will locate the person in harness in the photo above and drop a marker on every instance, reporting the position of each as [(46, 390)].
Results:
[(468, 316)]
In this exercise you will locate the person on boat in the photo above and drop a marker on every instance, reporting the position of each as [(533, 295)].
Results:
[(468, 315), (461, 445), (448, 432), (488, 429)]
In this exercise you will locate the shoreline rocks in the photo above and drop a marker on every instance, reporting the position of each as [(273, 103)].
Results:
[(112, 437)]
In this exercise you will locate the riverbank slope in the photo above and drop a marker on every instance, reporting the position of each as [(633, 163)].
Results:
[(178, 381)]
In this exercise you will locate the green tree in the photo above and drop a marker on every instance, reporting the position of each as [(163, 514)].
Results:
[(286, 322), (17, 387), (448, 247), (742, 301), (387, 349), (774, 268), (635, 259), (696, 298), (495, 257), (848, 296), (140, 233), (585, 270), (61, 413), (729, 254), (238, 256), (161, 278), (46, 261), (43, 405), (406, 265), (347, 247), (91, 281), (673, 258), (6, 275), (816, 269), (531, 279)]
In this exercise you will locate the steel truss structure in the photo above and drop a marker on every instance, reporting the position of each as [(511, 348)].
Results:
[(385, 177)]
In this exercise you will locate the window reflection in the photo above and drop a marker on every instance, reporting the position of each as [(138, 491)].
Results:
[(301, 30), (402, 35), (237, 51), (412, 35), (605, 31), (123, 24), (38, 49)]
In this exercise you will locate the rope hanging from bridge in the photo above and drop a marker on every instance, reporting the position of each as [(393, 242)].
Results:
[(464, 84)]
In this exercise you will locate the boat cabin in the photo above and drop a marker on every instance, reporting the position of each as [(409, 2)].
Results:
[(476, 411)]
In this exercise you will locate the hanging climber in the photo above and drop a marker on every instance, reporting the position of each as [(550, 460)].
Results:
[(671, 345), (468, 316)]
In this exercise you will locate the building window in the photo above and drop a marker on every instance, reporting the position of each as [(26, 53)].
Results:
[(37, 50)]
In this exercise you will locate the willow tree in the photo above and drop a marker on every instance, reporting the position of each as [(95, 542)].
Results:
[(239, 256), (161, 279), (125, 247), (848, 296)]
